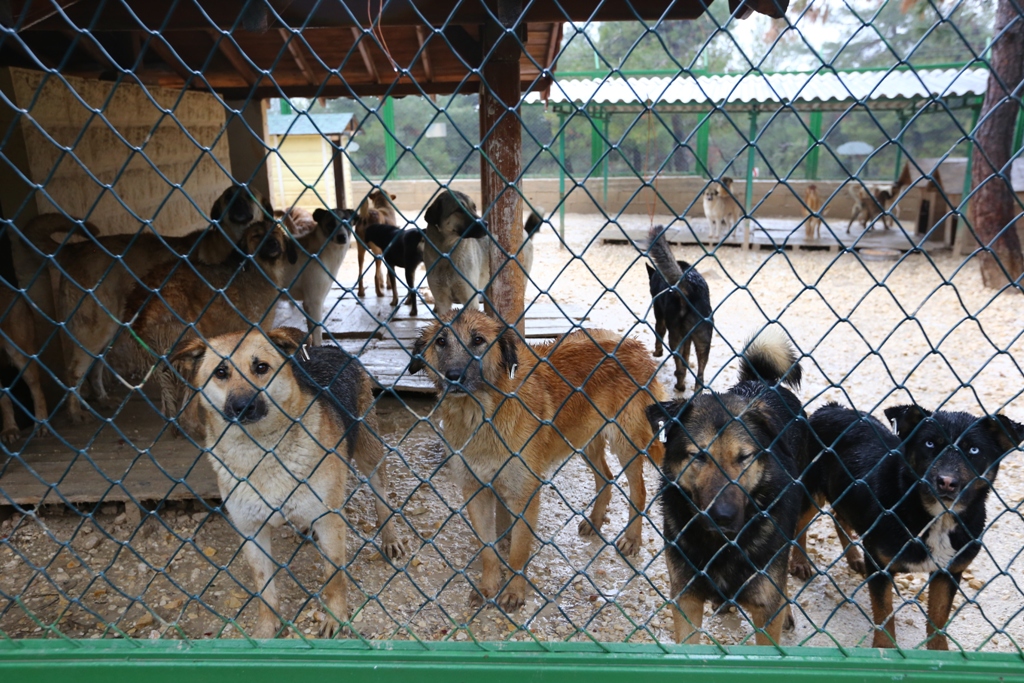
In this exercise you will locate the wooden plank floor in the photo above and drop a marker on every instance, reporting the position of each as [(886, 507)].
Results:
[(382, 336), (134, 456), (779, 233)]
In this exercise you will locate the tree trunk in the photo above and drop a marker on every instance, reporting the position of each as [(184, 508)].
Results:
[(993, 204)]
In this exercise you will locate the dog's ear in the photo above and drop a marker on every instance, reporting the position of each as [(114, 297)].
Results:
[(187, 357), (507, 343), (319, 215), (290, 251), (288, 339), (1007, 433), (759, 421), (661, 413), (394, 196), (650, 271), (906, 418), (434, 211), (417, 362), (217, 211), (268, 210)]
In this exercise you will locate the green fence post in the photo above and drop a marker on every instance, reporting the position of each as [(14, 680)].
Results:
[(814, 124), (561, 177), (899, 145), (1018, 135), (749, 200), (596, 145), (387, 112), (604, 127), (703, 129)]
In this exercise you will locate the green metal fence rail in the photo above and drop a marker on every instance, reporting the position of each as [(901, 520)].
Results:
[(246, 433)]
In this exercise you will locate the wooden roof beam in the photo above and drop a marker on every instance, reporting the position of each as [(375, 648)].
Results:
[(421, 38), (292, 42), (364, 52), (91, 44), (228, 48), (168, 56)]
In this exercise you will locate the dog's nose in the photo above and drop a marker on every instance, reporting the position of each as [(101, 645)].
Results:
[(245, 408), (725, 514), (453, 375), (947, 485)]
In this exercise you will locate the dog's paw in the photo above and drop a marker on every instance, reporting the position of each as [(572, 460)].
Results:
[(393, 548), (266, 628), (512, 599), (855, 560), (589, 529), (799, 566), (9, 436), (658, 352), (333, 629), (788, 623), (629, 545)]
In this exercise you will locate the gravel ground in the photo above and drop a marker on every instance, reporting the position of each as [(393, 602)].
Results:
[(874, 333)]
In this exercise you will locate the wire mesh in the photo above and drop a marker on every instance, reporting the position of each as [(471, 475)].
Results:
[(181, 459)]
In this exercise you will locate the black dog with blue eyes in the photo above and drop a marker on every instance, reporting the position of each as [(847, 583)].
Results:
[(916, 497)]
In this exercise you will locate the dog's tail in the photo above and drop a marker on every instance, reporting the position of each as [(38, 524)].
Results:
[(770, 357), (662, 256), (533, 223)]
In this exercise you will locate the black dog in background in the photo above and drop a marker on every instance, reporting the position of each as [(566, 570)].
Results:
[(401, 249), (682, 306), (916, 498)]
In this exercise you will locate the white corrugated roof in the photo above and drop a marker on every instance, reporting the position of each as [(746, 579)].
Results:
[(772, 88)]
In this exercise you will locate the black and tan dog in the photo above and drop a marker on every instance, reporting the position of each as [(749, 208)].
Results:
[(276, 416), (730, 498), (682, 308), (515, 412), (917, 498)]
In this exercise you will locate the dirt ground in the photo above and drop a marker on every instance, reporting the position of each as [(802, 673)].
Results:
[(872, 333)]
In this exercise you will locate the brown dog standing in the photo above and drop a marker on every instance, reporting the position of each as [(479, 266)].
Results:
[(513, 419), (375, 210), (812, 204)]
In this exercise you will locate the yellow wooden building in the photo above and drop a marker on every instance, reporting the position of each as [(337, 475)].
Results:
[(306, 167)]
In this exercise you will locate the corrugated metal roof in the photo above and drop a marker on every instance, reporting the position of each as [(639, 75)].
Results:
[(773, 88), (308, 124)]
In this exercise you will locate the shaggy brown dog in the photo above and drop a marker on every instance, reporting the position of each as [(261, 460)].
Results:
[(515, 412), (276, 418), (375, 210), (18, 338), (213, 300), (812, 203), (94, 278)]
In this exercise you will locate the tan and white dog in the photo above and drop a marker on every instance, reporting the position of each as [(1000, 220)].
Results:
[(92, 279), (720, 208), (325, 239), (18, 340), (812, 204), (281, 423), (514, 412)]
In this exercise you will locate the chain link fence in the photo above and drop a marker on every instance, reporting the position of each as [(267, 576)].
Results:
[(218, 423)]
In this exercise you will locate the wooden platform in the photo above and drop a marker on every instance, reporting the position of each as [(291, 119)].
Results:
[(779, 233), (382, 336), (135, 456)]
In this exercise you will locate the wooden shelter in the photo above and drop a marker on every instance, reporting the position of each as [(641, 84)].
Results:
[(246, 51)]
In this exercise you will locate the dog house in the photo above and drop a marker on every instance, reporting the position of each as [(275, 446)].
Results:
[(310, 165)]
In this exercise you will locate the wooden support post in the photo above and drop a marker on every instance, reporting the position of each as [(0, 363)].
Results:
[(749, 199), (247, 141), (501, 165)]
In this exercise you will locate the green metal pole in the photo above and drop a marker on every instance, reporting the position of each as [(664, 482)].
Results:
[(596, 145), (703, 130), (899, 146), (387, 112), (815, 124), (604, 126), (1018, 135), (749, 200), (561, 177)]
